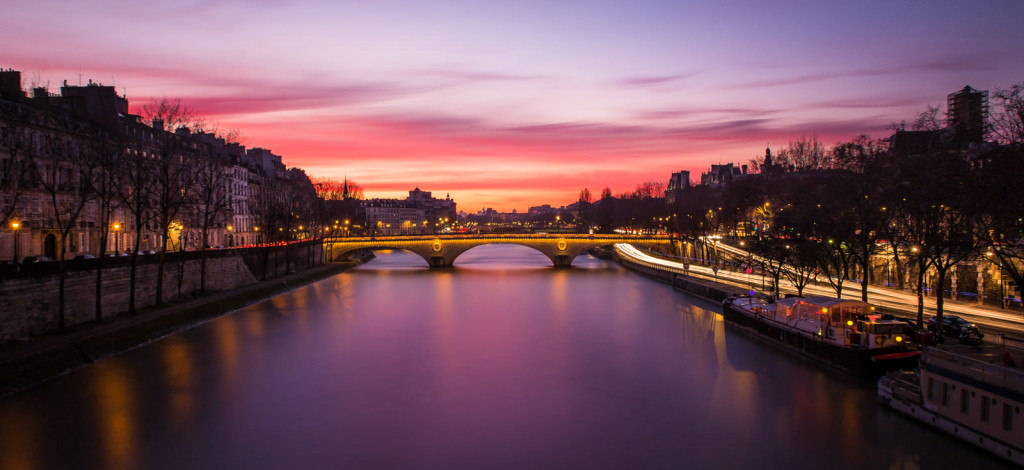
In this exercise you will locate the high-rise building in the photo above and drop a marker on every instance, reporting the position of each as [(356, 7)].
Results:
[(967, 112)]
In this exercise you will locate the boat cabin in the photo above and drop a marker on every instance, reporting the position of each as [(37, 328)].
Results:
[(844, 321)]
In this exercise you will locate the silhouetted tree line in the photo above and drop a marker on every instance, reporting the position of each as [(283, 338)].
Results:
[(823, 214)]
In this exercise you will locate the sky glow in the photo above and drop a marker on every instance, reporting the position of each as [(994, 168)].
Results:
[(513, 104)]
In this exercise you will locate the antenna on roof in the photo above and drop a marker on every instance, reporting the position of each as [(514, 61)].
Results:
[(79, 75)]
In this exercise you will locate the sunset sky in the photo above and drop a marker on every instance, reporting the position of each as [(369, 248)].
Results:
[(520, 103)]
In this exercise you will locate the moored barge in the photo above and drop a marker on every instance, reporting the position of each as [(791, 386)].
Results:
[(965, 392), (847, 334)]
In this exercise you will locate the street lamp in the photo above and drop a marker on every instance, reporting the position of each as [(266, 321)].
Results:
[(117, 238), (231, 237), (14, 226)]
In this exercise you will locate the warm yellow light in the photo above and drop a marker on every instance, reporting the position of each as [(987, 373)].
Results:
[(117, 226), (15, 225), (899, 339), (231, 227), (824, 310), (849, 322)]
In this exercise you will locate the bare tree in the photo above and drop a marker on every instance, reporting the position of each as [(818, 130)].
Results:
[(103, 154), (807, 152), (135, 194), (15, 158), (171, 185), (1003, 214), (940, 213), (928, 120), (170, 115), (210, 200), (1008, 119), (67, 180)]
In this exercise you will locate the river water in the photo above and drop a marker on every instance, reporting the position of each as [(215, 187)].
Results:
[(500, 363)]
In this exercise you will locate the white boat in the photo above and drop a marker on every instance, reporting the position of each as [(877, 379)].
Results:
[(967, 392)]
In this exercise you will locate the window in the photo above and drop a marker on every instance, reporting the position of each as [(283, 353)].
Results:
[(1007, 417), (945, 394), (984, 409), (965, 401), (931, 386)]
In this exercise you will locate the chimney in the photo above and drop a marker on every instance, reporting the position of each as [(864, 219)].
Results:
[(10, 84)]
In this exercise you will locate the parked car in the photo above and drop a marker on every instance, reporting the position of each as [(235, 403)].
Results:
[(84, 256), (34, 259), (952, 325)]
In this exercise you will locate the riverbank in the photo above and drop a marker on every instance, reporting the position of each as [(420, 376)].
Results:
[(24, 365)]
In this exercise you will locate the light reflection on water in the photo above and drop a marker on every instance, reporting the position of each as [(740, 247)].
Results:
[(502, 362)]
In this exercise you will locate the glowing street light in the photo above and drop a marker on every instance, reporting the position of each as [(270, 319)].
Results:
[(15, 225), (117, 237)]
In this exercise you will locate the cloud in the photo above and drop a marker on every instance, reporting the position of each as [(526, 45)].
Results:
[(475, 76), (648, 81)]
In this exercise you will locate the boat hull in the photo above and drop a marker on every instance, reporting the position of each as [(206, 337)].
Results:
[(907, 400), (865, 362)]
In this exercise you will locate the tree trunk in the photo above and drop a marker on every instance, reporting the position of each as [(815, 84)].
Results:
[(920, 293), (134, 262), (865, 264), (202, 262), (60, 289)]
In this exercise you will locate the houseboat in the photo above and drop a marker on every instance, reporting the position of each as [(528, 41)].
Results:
[(847, 334), (971, 393)]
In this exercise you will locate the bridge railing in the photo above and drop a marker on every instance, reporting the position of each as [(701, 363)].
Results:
[(535, 236)]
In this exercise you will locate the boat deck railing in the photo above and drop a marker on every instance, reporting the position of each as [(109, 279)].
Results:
[(989, 372)]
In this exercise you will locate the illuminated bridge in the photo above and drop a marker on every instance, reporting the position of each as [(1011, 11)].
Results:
[(440, 251)]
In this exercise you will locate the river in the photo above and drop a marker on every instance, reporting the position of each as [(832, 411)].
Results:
[(500, 363)]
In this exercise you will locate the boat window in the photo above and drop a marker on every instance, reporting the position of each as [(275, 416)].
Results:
[(888, 329), (1007, 417), (945, 394), (965, 401), (931, 385), (984, 409)]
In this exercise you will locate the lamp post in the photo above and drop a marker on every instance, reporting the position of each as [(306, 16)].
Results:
[(231, 236), (117, 238), (14, 226)]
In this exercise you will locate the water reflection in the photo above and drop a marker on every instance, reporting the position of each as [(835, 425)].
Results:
[(501, 362), (118, 424)]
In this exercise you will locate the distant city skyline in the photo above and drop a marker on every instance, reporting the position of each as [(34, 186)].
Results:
[(514, 105)]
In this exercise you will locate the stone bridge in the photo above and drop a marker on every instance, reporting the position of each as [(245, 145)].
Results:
[(440, 251)]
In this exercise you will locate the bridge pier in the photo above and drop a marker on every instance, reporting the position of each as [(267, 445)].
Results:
[(562, 261), (439, 262)]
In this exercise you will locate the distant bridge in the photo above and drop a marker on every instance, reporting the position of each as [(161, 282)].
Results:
[(440, 251)]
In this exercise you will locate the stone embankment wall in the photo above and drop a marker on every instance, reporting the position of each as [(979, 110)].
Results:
[(29, 293)]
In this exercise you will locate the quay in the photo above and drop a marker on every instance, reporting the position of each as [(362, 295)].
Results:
[(44, 357)]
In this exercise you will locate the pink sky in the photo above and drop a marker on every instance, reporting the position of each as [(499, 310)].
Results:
[(514, 104)]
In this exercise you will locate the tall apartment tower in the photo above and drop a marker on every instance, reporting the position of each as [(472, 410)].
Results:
[(967, 110)]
